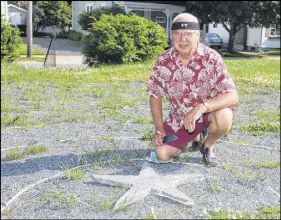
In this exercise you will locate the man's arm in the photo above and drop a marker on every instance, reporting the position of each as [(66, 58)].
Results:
[(219, 102), (156, 111), (157, 115)]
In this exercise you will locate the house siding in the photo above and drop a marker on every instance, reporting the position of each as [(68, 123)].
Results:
[(15, 12), (80, 6), (148, 10), (257, 39), (268, 43)]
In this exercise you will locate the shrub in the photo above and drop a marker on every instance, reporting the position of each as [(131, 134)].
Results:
[(10, 42), (42, 34), (123, 39), (85, 19), (74, 35), (63, 35)]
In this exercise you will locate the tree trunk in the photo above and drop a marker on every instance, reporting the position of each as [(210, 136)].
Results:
[(231, 38), (230, 42)]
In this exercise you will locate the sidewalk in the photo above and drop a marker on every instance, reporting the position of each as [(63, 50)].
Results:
[(62, 61)]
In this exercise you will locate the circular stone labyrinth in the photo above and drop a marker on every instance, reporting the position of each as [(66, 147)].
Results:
[(49, 185)]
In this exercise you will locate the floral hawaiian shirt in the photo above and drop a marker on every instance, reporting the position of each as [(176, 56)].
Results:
[(203, 78)]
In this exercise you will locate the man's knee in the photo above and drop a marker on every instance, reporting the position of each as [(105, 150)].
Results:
[(222, 119), (165, 154)]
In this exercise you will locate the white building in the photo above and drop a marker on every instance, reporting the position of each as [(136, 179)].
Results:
[(17, 15), (162, 14), (263, 38), (251, 38)]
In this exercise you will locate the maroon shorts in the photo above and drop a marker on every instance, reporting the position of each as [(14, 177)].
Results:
[(183, 136)]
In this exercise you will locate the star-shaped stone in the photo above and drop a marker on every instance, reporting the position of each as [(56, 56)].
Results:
[(148, 182)]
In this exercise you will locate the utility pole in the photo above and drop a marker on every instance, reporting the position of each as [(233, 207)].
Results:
[(29, 28)]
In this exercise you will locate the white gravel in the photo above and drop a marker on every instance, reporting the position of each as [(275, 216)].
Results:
[(242, 184)]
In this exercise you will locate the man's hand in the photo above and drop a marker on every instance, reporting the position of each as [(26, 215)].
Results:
[(191, 117), (157, 139)]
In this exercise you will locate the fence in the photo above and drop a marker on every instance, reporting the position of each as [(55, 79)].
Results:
[(50, 59)]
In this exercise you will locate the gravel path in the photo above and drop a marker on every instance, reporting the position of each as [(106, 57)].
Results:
[(240, 184)]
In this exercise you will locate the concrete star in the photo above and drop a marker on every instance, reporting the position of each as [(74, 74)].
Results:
[(148, 182)]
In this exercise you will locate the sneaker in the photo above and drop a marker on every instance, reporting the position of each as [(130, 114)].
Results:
[(152, 158), (209, 157)]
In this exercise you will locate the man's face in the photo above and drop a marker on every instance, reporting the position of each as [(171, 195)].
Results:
[(185, 41)]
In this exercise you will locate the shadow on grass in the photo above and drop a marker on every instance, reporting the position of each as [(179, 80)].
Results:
[(237, 55), (105, 158)]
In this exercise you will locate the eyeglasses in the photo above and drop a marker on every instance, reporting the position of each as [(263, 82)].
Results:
[(178, 35)]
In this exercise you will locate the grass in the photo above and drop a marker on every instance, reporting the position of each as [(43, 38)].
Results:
[(260, 128), (225, 53), (23, 50), (268, 164), (143, 120), (7, 213), (148, 136), (263, 213), (76, 173), (37, 59), (273, 52), (100, 92), (15, 153), (262, 122), (215, 187), (252, 72), (60, 197)]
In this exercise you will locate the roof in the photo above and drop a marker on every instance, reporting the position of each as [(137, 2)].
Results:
[(13, 6)]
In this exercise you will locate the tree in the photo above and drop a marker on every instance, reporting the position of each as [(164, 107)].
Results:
[(21, 4), (234, 15), (56, 13)]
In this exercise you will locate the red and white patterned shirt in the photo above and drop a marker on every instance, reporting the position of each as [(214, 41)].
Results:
[(203, 78)]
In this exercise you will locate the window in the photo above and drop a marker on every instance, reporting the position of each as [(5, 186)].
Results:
[(89, 7), (274, 32), (160, 19)]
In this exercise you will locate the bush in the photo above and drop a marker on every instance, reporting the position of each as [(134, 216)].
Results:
[(10, 42), (85, 19), (123, 39), (63, 35), (42, 34), (74, 35)]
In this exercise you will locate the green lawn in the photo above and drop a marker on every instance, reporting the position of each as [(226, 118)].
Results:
[(273, 52), (23, 50), (253, 72), (28, 90)]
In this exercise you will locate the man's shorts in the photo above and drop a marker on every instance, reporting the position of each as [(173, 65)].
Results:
[(183, 136)]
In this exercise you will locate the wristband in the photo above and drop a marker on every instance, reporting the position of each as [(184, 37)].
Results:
[(158, 132)]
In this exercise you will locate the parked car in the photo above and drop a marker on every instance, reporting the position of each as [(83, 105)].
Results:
[(213, 40)]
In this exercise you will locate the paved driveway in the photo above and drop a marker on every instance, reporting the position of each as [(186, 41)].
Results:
[(63, 46), (67, 52)]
